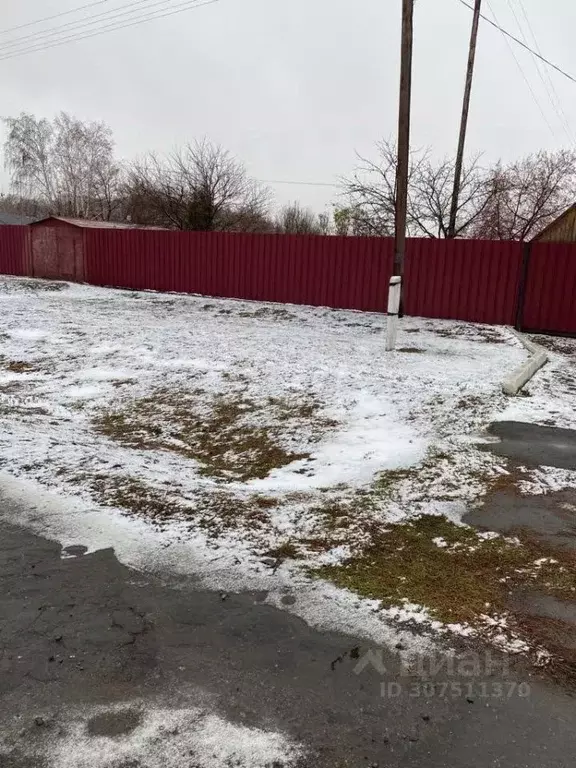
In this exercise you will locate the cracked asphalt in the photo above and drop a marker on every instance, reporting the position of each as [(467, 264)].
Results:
[(86, 630)]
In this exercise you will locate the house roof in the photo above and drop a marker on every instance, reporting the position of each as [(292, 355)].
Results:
[(554, 223), (89, 224), (14, 219)]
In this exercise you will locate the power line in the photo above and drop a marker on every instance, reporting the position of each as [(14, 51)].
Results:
[(301, 183), (521, 70), (54, 16), (181, 8), (538, 66), (545, 77), (516, 40), (35, 38)]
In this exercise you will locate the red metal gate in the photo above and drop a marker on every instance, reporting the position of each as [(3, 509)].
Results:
[(57, 251)]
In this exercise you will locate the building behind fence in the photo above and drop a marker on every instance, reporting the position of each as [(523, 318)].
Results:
[(501, 282)]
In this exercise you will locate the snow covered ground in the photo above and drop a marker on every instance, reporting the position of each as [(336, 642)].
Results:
[(222, 438)]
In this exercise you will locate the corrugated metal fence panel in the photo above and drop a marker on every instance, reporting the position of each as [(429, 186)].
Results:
[(550, 303), (475, 280), (344, 272), (14, 247)]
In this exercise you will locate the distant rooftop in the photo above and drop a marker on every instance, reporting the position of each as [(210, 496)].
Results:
[(14, 219), (89, 224)]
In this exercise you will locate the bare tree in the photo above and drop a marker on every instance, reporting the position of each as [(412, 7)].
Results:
[(371, 193), (198, 187), (294, 219), (66, 165), (28, 156), (431, 197), (511, 202), (325, 223), (527, 195)]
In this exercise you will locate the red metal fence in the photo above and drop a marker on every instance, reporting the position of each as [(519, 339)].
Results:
[(14, 250), (473, 280), (550, 295), (481, 281), (467, 280), (343, 272)]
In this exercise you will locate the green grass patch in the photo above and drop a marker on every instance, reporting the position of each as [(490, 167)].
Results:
[(458, 582)]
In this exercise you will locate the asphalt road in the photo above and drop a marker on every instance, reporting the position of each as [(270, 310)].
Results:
[(87, 631)]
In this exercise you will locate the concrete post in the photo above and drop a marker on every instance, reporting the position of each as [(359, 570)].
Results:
[(393, 309)]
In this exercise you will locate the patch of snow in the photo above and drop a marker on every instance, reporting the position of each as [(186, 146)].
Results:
[(7, 378), (336, 555), (542, 480), (372, 442), (84, 392), (104, 374), (440, 542), (168, 738), (28, 334), (488, 535), (198, 363)]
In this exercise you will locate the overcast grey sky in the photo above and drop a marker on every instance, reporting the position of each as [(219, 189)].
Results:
[(294, 87)]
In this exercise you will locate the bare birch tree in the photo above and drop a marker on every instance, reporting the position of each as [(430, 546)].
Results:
[(67, 165)]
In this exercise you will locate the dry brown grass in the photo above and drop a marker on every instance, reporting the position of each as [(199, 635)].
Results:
[(225, 434), (215, 511), (20, 366)]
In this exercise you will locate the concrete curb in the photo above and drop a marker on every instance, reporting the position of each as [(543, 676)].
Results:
[(513, 383)]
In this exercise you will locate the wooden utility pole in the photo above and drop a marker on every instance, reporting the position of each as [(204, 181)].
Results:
[(402, 169), (464, 119)]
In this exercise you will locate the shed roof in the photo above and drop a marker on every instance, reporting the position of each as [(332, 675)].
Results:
[(554, 224), (90, 224)]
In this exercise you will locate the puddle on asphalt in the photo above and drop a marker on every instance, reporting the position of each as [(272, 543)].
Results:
[(548, 517), (532, 444), (548, 607), (73, 550), (114, 723)]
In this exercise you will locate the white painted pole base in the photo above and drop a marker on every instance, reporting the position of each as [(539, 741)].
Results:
[(393, 309)]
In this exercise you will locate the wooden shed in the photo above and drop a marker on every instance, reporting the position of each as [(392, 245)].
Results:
[(57, 246), (561, 230)]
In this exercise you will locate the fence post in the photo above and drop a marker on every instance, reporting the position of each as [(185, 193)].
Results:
[(394, 293), (522, 285)]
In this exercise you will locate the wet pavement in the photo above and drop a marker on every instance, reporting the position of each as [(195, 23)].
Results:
[(533, 445), (550, 518), (85, 632)]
